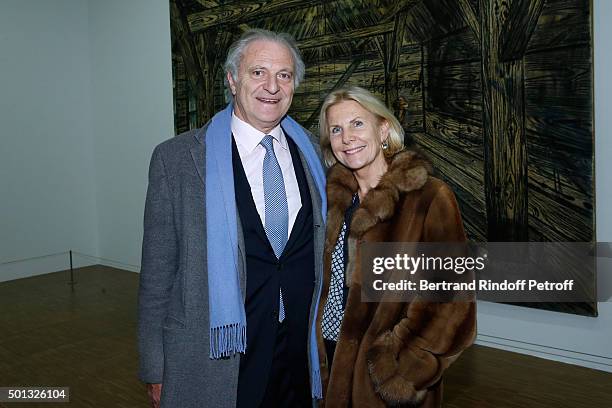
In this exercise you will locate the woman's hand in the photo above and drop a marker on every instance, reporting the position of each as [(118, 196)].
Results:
[(389, 366)]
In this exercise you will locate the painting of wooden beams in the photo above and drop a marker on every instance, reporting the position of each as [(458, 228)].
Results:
[(498, 93)]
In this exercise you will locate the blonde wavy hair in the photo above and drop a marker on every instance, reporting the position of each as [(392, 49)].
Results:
[(370, 103)]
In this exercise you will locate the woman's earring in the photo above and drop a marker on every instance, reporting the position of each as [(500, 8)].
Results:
[(384, 145)]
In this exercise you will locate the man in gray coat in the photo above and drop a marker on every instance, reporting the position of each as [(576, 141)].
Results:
[(232, 248)]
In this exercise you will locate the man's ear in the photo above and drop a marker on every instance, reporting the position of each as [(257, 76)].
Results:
[(232, 83)]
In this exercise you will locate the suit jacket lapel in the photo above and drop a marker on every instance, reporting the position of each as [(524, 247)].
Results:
[(241, 257)]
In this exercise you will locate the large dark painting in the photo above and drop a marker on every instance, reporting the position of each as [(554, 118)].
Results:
[(499, 93)]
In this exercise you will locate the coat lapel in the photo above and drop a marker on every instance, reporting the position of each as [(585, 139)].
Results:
[(315, 198), (198, 153)]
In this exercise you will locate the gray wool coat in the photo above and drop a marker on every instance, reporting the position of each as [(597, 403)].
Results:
[(173, 321)]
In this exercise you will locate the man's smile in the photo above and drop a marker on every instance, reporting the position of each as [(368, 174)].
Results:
[(268, 100)]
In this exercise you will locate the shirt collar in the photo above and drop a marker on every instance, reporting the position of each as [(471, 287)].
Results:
[(248, 137)]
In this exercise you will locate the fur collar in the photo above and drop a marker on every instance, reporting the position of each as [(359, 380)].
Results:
[(408, 170)]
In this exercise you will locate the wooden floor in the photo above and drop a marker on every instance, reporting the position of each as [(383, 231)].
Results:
[(86, 339)]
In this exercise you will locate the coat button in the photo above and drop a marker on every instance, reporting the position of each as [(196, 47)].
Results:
[(279, 266)]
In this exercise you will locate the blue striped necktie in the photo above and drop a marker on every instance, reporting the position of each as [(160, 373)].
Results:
[(276, 208)]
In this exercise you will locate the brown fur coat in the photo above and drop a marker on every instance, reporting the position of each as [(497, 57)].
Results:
[(391, 354)]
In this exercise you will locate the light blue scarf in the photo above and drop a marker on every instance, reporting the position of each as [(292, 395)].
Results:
[(225, 303)]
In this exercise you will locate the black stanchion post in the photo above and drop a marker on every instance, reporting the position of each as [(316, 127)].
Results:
[(72, 282)]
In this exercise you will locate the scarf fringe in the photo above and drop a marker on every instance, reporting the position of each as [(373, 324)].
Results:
[(317, 391), (227, 340)]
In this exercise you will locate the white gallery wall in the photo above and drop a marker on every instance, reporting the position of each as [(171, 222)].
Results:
[(47, 194), (95, 79), (85, 95), (132, 112)]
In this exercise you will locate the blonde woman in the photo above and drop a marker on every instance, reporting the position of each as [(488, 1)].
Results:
[(381, 354)]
